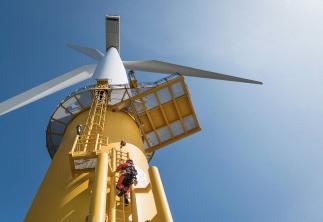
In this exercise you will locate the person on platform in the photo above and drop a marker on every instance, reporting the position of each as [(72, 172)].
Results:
[(127, 178), (79, 129)]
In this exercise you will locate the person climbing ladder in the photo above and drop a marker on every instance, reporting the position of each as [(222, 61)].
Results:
[(126, 179)]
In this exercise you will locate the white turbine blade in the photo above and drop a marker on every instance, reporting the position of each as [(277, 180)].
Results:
[(92, 53), (164, 67), (45, 89)]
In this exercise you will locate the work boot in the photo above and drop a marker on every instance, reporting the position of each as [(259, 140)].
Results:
[(126, 201), (122, 191)]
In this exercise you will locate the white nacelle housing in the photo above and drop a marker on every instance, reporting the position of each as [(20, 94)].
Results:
[(111, 68)]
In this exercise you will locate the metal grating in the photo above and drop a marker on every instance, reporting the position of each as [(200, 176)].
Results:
[(65, 112), (164, 113)]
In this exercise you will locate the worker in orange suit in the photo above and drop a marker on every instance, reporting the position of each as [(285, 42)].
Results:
[(127, 178)]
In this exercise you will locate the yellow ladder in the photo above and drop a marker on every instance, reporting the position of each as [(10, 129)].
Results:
[(122, 211), (91, 134)]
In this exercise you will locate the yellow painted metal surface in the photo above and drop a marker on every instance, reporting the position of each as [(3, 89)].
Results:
[(99, 193), (165, 112), (90, 140), (73, 191), (62, 197), (163, 211), (134, 207), (112, 194)]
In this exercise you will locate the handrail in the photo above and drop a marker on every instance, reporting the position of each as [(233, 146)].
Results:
[(96, 142), (75, 142)]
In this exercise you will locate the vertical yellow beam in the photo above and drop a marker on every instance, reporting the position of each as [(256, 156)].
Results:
[(134, 206), (112, 202), (163, 211), (98, 200)]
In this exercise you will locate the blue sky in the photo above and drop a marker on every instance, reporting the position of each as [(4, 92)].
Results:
[(259, 156)]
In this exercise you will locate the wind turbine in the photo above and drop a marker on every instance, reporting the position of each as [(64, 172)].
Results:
[(80, 183)]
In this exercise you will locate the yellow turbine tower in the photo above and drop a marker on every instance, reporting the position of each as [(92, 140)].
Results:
[(98, 127)]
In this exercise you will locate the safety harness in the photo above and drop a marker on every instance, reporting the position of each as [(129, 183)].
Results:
[(130, 175)]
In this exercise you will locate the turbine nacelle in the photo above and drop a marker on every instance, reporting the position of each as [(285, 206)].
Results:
[(111, 68)]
